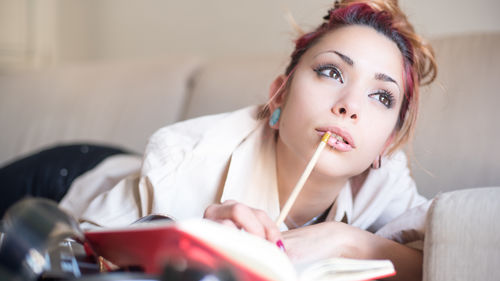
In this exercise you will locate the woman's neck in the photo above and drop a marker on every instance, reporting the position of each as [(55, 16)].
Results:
[(318, 193)]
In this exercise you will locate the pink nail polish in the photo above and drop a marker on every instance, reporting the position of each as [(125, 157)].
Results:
[(280, 245)]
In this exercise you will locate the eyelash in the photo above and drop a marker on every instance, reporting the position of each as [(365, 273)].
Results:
[(381, 93), (320, 68), (387, 95)]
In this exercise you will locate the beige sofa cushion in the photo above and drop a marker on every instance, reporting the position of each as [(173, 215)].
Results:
[(232, 83), (461, 238), (117, 103)]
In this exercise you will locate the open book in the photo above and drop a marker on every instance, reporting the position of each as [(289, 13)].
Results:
[(153, 245)]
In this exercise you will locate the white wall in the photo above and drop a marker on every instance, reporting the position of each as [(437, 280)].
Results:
[(141, 28), (119, 29), (441, 17)]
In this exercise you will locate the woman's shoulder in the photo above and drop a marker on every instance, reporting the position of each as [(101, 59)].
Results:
[(398, 160), (174, 141), (184, 132), (392, 178), (192, 130), (394, 181)]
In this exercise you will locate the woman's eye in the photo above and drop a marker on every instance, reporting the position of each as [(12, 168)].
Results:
[(385, 98), (330, 72)]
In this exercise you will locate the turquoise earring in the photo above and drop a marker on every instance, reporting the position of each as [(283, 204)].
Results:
[(275, 117)]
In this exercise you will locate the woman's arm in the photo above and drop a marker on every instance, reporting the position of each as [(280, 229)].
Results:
[(336, 239)]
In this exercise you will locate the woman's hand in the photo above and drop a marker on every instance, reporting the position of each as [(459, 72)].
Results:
[(336, 239), (241, 216), (318, 241)]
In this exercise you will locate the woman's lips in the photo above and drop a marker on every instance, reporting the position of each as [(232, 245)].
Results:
[(344, 144), (339, 145)]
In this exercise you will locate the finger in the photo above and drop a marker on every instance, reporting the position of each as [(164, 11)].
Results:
[(222, 211), (273, 234), (245, 217), (213, 209), (229, 202), (229, 223), (241, 215), (211, 212)]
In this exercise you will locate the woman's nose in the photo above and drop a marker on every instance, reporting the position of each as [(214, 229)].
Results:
[(346, 110)]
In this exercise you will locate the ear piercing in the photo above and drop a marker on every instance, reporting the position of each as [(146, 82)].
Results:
[(377, 163), (275, 117)]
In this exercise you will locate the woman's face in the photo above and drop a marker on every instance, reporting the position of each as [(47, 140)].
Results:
[(350, 83)]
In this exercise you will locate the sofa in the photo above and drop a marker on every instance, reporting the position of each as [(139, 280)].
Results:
[(454, 157)]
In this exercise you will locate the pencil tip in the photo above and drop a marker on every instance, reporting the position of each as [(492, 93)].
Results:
[(326, 136)]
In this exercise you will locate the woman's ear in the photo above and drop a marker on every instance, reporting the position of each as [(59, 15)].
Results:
[(377, 163), (276, 94), (276, 100), (388, 143)]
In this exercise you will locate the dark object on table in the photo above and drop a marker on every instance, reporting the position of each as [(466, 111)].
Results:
[(176, 272), (32, 230), (153, 218)]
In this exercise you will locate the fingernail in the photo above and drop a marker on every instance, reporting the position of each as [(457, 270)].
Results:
[(280, 245)]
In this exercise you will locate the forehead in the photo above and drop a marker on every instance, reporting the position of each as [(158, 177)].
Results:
[(364, 45)]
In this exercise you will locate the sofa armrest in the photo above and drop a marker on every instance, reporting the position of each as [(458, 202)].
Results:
[(462, 238)]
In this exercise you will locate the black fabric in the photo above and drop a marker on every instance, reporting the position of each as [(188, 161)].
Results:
[(50, 172)]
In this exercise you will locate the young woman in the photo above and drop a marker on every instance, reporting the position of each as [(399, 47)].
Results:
[(357, 76)]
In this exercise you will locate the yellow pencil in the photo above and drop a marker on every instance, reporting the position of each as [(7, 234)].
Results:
[(302, 180)]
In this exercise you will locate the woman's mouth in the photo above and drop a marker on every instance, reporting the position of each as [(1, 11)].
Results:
[(340, 139)]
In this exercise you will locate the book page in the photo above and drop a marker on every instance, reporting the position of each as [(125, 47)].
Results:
[(343, 269), (246, 249)]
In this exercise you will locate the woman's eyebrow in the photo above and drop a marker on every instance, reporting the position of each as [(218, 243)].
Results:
[(345, 58), (385, 77)]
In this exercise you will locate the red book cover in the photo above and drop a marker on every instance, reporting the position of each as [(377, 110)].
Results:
[(151, 247)]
